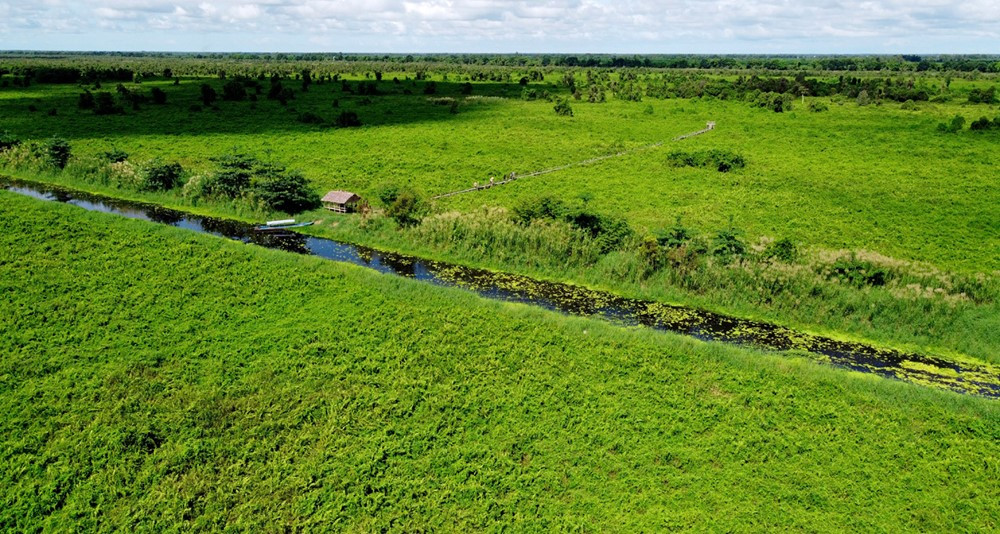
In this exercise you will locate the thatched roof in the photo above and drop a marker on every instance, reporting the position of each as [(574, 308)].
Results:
[(340, 197)]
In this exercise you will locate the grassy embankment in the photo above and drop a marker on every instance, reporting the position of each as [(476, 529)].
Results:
[(858, 178), (158, 379)]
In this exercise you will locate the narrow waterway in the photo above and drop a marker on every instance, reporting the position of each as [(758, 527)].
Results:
[(983, 380)]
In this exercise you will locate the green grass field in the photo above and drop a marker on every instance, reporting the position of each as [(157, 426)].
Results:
[(877, 178), (159, 380), (851, 179)]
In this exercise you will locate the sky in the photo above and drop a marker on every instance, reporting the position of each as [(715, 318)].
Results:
[(506, 26)]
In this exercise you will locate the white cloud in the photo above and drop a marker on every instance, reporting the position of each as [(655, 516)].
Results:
[(507, 25)]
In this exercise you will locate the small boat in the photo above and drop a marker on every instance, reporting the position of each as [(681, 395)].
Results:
[(281, 225)]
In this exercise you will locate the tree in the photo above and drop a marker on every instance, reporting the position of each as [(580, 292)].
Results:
[(287, 192), (208, 95)]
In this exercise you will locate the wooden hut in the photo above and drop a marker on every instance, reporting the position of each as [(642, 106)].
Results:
[(341, 201)]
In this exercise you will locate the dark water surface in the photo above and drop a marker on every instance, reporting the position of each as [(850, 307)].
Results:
[(981, 379)]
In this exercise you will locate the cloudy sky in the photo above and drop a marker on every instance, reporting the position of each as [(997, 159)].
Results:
[(615, 26)]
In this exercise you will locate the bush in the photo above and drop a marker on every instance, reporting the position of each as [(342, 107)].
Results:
[(114, 156), (858, 273), (818, 107), (347, 119), (234, 175), (161, 176), (309, 118), (909, 105), (563, 109), (104, 104), (159, 96), (728, 243), (8, 141), (782, 250), (289, 192), (545, 207), (676, 236), (234, 91), (430, 88), (408, 209), (208, 95), (467, 88), (720, 160), (86, 100), (983, 124), (386, 193), (956, 124), (58, 152), (863, 99)]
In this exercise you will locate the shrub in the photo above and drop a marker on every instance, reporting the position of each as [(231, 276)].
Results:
[(863, 99), (194, 108), (544, 207), (430, 88), (467, 88), (563, 109), (720, 160), (408, 209), (782, 250), (675, 236), (58, 152), (909, 105), (8, 141), (234, 175), (114, 155), (159, 96), (386, 193), (347, 119), (956, 124), (234, 91), (818, 107), (208, 95), (309, 118), (104, 104), (288, 192), (86, 100), (983, 124), (728, 243), (858, 273), (159, 176), (983, 96)]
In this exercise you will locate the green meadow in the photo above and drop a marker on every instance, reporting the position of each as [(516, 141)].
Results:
[(159, 380), (877, 177), (877, 182)]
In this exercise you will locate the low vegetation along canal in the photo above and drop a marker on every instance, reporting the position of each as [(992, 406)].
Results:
[(976, 379)]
